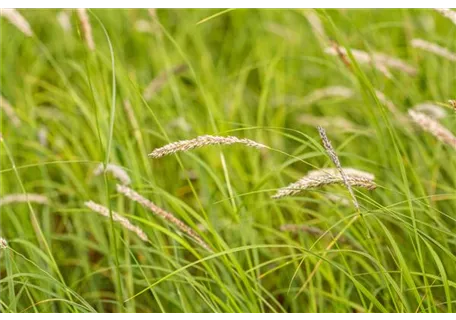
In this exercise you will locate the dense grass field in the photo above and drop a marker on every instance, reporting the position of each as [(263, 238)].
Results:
[(255, 74)]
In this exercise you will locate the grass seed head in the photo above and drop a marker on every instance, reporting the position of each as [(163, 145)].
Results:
[(147, 204), (16, 19), (433, 127), (201, 141), (102, 210)]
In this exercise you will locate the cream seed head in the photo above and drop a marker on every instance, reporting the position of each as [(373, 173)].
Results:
[(447, 13), (201, 141), (16, 19), (23, 198), (118, 172), (434, 48), (133, 195), (433, 127), (102, 210), (432, 110), (86, 28), (328, 176)]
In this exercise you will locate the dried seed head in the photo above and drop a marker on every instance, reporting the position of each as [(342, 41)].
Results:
[(201, 141), (9, 110), (433, 127), (394, 63), (434, 48), (335, 159), (63, 17), (447, 13), (86, 28), (432, 110), (379, 60), (3, 243), (15, 18), (329, 176), (116, 217), (133, 195), (118, 172), (23, 198)]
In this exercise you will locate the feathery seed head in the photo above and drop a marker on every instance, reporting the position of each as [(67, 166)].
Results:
[(86, 28), (98, 208), (147, 204), (202, 141), (23, 198), (327, 176), (15, 18), (447, 13), (432, 110), (9, 110), (433, 127), (118, 172), (63, 18), (434, 48)]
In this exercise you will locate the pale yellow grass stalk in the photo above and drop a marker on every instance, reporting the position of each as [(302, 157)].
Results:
[(117, 171), (95, 207), (16, 19), (158, 82), (202, 141), (432, 110), (434, 48), (9, 110), (23, 198), (335, 159), (63, 17), (433, 127), (133, 195), (86, 28), (3, 243), (447, 13), (324, 177)]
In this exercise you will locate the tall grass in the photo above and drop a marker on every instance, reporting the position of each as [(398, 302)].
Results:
[(250, 75)]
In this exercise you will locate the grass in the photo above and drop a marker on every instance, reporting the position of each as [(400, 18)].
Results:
[(248, 72)]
